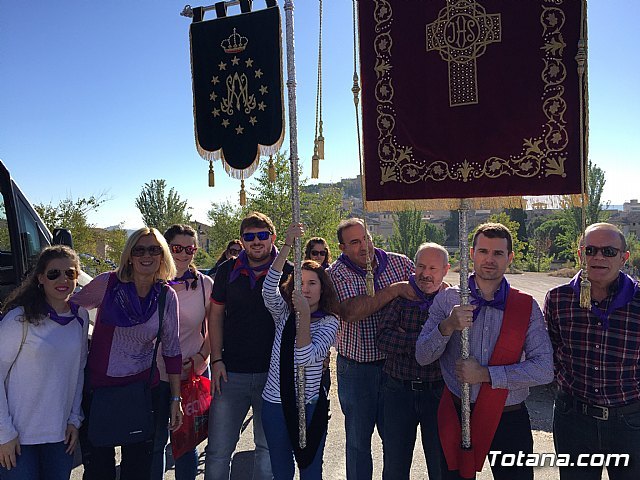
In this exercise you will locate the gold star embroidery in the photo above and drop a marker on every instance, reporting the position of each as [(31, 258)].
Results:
[(261, 106), (213, 96), (263, 89), (235, 60), (253, 121), (222, 66), (239, 130), (215, 80), (258, 73), (225, 123), (216, 112), (249, 62)]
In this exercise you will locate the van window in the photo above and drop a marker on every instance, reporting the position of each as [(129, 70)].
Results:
[(32, 238), (7, 273)]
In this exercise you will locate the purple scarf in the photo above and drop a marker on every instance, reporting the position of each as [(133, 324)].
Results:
[(626, 290), (382, 259), (121, 306), (241, 265), (424, 299), (188, 275), (499, 300), (62, 319), (319, 314)]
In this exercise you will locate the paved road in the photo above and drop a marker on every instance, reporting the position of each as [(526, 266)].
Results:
[(539, 404)]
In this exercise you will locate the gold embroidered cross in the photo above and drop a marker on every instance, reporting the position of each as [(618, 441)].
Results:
[(461, 34)]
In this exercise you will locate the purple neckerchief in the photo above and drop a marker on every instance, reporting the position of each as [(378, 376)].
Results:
[(627, 288), (62, 319), (319, 314), (121, 306), (242, 265), (382, 259), (188, 275), (424, 299), (499, 300)]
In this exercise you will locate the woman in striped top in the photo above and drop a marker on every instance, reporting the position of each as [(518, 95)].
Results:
[(305, 344)]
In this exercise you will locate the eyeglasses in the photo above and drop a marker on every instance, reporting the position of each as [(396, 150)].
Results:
[(248, 237), (140, 251), (235, 251), (591, 251), (190, 249), (71, 273), (319, 253)]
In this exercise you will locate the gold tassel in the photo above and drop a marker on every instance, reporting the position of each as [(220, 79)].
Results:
[(243, 194), (212, 176), (585, 290), (272, 170), (315, 166), (320, 143)]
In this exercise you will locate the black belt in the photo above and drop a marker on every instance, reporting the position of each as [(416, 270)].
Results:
[(420, 385), (507, 408), (597, 411)]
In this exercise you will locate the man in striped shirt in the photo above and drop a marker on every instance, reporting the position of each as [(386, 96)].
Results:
[(359, 362), (597, 359)]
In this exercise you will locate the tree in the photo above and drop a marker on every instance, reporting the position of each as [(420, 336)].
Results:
[(514, 227), (452, 228), (161, 210), (225, 221), (72, 215), (408, 232), (115, 239), (434, 233)]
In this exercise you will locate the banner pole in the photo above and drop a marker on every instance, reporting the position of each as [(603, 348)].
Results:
[(295, 198), (463, 230)]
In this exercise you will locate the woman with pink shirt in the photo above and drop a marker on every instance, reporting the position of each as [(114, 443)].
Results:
[(123, 340), (194, 293)]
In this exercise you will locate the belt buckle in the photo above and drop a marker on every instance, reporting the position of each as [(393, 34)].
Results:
[(417, 385), (604, 415)]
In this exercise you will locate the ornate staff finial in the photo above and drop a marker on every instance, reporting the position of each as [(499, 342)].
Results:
[(212, 175)]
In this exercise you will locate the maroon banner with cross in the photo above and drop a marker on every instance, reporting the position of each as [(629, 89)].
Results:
[(466, 98)]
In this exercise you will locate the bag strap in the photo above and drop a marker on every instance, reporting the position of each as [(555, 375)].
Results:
[(161, 302), (25, 328)]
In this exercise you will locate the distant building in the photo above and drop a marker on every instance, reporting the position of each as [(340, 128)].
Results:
[(631, 206)]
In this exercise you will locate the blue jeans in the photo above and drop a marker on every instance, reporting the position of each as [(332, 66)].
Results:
[(280, 448), (227, 413), (187, 464), (46, 461), (360, 392), (575, 433), (406, 407)]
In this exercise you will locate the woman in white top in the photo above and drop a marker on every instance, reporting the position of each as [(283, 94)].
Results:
[(294, 345), (194, 294), (43, 351)]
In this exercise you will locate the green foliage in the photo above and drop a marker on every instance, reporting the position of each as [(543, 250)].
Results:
[(203, 260), (518, 245), (408, 232), (452, 229), (161, 210), (72, 214), (115, 240), (320, 211), (434, 233)]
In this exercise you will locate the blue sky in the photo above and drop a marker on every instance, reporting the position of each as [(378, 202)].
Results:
[(96, 97)]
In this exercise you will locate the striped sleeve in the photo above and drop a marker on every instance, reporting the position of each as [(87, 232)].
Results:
[(321, 341), (273, 298)]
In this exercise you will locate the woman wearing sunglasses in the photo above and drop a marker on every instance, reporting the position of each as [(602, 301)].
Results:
[(194, 293), (234, 247), (123, 341), (317, 250), (306, 343), (43, 350)]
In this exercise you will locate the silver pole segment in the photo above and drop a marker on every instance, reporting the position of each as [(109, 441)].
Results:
[(295, 197), (463, 230), (187, 11)]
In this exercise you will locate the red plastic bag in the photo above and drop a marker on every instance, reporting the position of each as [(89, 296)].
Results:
[(196, 398)]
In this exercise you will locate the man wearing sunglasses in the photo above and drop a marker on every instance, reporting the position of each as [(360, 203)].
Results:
[(241, 334), (597, 359)]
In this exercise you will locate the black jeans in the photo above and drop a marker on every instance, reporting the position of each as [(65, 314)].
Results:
[(513, 436), (100, 462)]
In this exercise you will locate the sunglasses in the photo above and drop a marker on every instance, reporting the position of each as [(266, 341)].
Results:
[(140, 251), (321, 253), (190, 249), (235, 251), (248, 237), (71, 273), (591, 251)]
